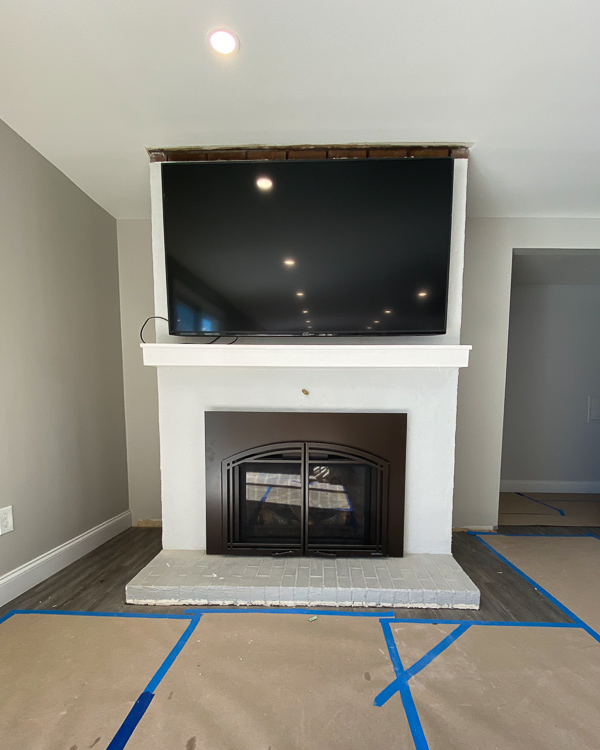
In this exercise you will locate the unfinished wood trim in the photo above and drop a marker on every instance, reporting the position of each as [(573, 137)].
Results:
[(308, 152), (149, 523)]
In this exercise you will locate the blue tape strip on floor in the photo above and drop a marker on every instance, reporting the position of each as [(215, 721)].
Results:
[(495, 623), (406, 674), (463, 626), (188, 613), (535, 533), (142, 615), (388, 691), (164, 668), (287, 611), (134, 717), (414, 722), (541, 502), (580, 499), (543, 591), (549, 536), (136, 714), (392, 648), (412, 715), (436, 651)]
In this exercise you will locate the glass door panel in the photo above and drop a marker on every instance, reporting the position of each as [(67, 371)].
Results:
[(341, 504), (269, 503)]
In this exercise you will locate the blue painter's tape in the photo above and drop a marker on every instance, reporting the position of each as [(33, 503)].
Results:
[(163, 669), (541, 502), (546, 536), (139, 709), (264, 497), (8, 614), (143, 615), (393, 687), (392, 648), (134, 717), (387, 692), (579, 499), (406, 674), (500, 623), (463, 625), (407, 700), (436, 651), (413, 717), (545, 593), (533, 533), (286, 611)]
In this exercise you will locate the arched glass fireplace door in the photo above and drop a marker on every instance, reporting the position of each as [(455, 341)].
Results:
[(305, 498)]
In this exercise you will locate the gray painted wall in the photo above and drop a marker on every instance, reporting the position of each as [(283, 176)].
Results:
[(141, 391), (63, 459), (488, 263), (553, 366)]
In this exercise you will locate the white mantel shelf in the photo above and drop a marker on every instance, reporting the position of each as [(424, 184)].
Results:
[(353, 356)]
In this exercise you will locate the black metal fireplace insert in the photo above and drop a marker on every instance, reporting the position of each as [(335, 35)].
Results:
[(305, 498), (305, 483)]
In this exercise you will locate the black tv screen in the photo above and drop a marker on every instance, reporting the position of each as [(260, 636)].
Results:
[(290, 248)]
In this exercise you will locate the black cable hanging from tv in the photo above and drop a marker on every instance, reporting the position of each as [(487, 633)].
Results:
[(160, 317)]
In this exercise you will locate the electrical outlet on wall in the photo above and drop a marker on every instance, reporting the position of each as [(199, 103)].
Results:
[(6, 520)]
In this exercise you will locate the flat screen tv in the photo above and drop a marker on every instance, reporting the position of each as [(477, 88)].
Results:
[(307, 248)]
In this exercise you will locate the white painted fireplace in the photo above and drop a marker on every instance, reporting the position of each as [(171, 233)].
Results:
[(417, 376), (420, 381)]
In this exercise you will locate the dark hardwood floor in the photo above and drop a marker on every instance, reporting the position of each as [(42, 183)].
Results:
[(96, 583)]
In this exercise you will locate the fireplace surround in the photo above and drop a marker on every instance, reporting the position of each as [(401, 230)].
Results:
[(413, 378), (305, 483), (399, 375)]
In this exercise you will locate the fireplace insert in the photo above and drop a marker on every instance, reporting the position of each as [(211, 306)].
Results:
[(305, 498)]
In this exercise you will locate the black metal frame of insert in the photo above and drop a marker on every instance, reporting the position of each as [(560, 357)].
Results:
[(303, 455)]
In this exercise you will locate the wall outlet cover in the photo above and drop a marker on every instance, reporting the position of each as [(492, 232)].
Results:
[(6, 520)]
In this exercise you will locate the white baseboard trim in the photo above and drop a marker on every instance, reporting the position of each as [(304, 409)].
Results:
[(548, 485), (21, 579)]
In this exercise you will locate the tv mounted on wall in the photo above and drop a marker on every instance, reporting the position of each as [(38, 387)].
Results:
[(308, 248)]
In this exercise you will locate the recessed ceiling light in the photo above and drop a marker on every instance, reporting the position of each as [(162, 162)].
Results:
[(422, 294), (304, 312), (369, 328), (289, 262), (223, 42), (375, 321), (308, 321), (299, 294), (387, 312), (264, 183), (310, 326)]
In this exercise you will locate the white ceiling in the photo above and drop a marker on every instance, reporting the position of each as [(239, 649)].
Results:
[(570, 267), (91, 83)]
